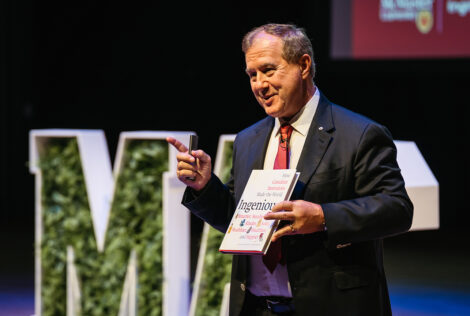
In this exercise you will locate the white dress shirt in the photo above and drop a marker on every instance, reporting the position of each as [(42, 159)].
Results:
[(262, 282)]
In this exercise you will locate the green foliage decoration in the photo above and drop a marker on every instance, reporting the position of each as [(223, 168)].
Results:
[(226, 161), (65, 213), (217, 266), (135, 223)]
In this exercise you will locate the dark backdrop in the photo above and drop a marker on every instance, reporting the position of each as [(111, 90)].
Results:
[(147, 66)]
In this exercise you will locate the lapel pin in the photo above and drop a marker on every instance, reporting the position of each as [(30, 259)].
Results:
[(320, 128)]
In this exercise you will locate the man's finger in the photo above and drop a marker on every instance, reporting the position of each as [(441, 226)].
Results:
[(177, 144), (283, 216), (186, 174), (201, 155), (284, 231), (283, 206), (185, 157), (182, 165)]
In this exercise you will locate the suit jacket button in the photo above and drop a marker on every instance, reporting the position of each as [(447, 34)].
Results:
[(243, 287)]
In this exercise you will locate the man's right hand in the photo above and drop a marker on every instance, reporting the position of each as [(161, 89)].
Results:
[(196, 166)]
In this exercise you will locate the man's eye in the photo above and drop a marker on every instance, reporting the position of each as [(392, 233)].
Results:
[(269, 71)]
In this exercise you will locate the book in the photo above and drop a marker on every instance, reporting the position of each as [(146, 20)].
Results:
[(249, 232)]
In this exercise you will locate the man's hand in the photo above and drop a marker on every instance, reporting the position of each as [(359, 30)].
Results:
[(193, 170), (305, 218)]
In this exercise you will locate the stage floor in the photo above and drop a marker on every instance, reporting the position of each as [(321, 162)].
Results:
[(428, 275)]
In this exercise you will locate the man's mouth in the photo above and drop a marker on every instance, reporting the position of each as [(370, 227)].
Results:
[(268, 99)]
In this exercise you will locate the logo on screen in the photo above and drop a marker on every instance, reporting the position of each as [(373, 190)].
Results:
[(424, 21)]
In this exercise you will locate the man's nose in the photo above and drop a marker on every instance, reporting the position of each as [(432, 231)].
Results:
[(261, 83)]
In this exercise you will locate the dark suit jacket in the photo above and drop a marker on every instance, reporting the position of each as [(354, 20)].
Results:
[(348, 165)]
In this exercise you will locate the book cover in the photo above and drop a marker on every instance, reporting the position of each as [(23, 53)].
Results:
[(249, 232)]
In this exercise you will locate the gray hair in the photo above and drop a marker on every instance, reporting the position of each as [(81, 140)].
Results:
[(295, 39)]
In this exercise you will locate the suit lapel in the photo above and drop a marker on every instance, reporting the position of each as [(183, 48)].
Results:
[(318, 138), (260, 143), (254, 153)]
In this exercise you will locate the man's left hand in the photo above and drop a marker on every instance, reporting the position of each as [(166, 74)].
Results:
[(304, 217)]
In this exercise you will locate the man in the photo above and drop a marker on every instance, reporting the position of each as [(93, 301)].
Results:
[(349, 196)]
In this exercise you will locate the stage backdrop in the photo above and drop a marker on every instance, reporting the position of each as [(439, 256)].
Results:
[(119, 245)]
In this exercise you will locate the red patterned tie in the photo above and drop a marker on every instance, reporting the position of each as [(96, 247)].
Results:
[(274, 255)]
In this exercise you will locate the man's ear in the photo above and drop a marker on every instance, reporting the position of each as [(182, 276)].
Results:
[(305, 62)]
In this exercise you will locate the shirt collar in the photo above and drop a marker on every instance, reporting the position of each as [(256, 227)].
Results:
[(302, 120)]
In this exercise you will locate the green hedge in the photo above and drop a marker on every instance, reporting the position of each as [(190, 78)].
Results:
[(135, 223)]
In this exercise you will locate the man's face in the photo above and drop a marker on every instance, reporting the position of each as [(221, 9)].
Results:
[(276, 84)]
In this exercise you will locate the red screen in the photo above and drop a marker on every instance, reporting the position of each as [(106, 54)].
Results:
[(408, 28)]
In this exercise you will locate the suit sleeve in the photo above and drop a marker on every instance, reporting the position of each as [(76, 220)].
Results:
[(215, 204), (382, 207)]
